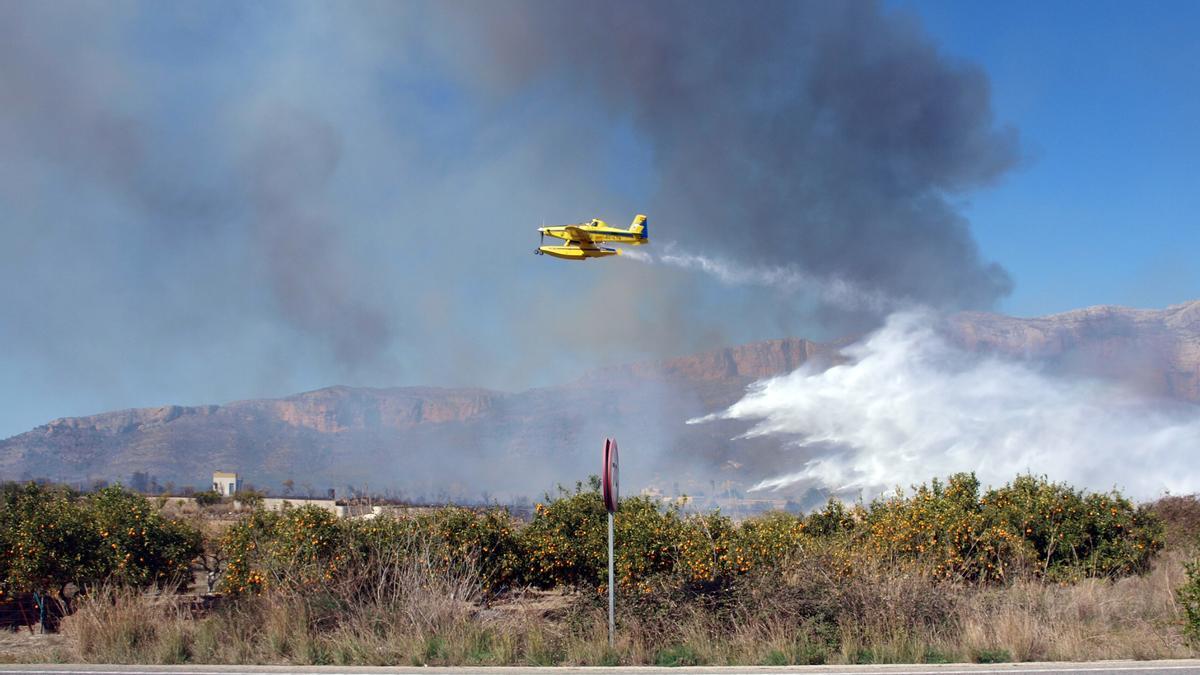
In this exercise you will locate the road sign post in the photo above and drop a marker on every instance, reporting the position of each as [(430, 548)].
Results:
[(610, 484), (611, 603)]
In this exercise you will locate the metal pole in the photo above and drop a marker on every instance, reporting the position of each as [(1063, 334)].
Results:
[(611, 621)]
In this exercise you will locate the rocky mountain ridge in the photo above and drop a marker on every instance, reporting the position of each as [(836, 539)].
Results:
[(432, 440), (1158, 351)]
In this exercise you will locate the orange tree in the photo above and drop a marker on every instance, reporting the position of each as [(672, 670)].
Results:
[(373, 541), (715, 550), (50, 539), (308, 546), (705, 557), (485, 541), (294, 548), (9, 519), (833, 520), (140, 546), (1073, 534), (567, 541), (769, 540), (646, 542), (945, 529), (1027, 526), (52, 536), (8, 546)]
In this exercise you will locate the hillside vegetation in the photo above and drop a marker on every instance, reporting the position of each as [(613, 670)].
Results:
[(943, 572)]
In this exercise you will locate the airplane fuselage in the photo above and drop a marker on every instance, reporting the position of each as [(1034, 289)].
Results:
[(598, 234)]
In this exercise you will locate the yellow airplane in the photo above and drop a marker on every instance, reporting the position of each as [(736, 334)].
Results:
[(582, 239)]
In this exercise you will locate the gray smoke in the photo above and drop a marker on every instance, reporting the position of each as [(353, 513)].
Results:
[(206, 202), (288, 169), (825, 137)]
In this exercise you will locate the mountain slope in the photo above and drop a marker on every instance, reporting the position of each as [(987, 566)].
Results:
[(1158, 351), (463, 442)]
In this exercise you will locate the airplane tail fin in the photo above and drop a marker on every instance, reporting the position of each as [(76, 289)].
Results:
[(640, 226)]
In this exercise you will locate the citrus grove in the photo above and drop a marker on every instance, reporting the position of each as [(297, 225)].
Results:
[(951, 532)]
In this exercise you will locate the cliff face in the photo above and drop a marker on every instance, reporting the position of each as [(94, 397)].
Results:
[(1157, 351), (340, 409), (430, 440), (753, 361)]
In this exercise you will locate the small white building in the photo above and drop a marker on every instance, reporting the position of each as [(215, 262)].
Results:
[(226, 483)]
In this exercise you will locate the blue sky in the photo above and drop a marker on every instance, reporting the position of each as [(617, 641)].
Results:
[(1106, 96), (204, 202)]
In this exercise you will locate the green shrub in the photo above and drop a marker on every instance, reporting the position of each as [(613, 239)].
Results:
[(993, 656), (208, 498), (777, 658), (251, 499), (863, 656), (682, 655), (933, 655), (1189, 598)]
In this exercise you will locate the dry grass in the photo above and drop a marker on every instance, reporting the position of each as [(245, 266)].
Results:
[(402, 613), (1131, 618), (396, 611)]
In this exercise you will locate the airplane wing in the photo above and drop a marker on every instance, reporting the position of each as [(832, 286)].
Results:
[(579, 235), (586, 245)]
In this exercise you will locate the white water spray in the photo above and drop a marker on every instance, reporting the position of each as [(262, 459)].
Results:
[(910, 406)]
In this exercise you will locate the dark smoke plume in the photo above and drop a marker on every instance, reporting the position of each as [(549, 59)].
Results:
[(827, 136), (288, 170)]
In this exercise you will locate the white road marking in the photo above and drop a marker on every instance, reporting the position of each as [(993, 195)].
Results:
[(888, 669)]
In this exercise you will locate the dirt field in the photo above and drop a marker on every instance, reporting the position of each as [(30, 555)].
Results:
[(17, 646)]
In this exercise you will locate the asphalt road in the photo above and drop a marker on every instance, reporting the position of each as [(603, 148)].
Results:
[(1092, 668)]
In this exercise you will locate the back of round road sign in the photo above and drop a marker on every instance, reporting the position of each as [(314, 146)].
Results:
[(609, 485), (609, 479)]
